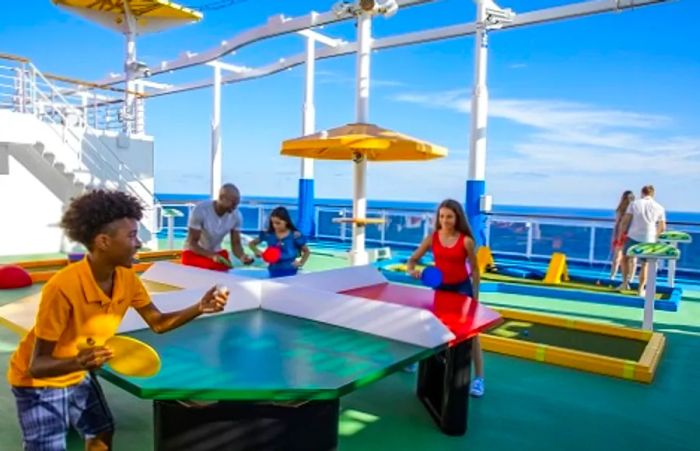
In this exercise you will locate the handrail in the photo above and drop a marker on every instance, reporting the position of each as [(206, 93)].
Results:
[(595, 254), (11, 57), (551, 216), (112, 153), (576, 218), (30, 75), (91, 84)]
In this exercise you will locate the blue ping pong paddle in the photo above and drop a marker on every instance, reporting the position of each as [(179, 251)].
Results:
[(431, 277)]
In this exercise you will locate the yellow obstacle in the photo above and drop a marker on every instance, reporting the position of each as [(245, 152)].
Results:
[(557, 270), (484, 259)]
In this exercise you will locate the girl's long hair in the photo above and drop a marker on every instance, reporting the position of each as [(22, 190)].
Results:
[(282, 214), (625, 201), (462, 224)]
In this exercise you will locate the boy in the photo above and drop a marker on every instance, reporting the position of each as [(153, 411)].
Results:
[(50, 376)]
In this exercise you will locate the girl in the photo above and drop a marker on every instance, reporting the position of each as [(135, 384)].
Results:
[(452, 244), (617, 245), (281, 232)]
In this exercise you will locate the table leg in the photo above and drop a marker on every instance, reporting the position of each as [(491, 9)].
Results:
[(650, 295), (245, 425), (672, 270), (443, 387)]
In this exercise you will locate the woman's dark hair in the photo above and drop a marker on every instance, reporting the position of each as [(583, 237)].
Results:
[(282, 214), (625, 201)]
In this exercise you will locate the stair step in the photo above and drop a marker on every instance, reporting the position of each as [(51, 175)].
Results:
[(70, 176), (82, 176), (48, 156), (60, 167)]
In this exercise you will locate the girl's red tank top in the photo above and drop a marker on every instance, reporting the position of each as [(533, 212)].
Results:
[(451, 261)]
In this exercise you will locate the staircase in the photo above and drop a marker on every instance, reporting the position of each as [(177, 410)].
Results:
[(47, 133)]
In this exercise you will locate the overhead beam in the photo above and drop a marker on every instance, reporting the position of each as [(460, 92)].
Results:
[(522, 19), (275, 26)]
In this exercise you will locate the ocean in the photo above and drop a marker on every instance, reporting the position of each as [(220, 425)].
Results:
[(515, 230), (688, 218)]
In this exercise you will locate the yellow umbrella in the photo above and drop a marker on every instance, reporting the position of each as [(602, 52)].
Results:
[(360, 143), (353, 140), (149, 15)]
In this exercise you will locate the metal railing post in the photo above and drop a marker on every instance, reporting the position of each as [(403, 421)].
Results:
[(382, 236), (488, 231), (528, 245), (316, 216), (22, 88), (591, 246)]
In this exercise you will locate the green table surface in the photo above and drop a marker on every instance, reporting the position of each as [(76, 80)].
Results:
[(258, 355)]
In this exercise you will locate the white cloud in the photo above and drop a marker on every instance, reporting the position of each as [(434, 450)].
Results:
[(577, 154), (561, 153)]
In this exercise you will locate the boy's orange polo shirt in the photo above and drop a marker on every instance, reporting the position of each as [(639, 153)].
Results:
[(73, 310)]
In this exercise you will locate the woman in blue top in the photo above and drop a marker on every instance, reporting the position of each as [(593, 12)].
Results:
[(282, 233)]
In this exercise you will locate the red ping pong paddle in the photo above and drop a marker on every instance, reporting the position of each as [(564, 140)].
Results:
[(272, 254)]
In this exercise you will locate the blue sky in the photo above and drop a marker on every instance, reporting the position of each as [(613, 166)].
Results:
[(580, 110)]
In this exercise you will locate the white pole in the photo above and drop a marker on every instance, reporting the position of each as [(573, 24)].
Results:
[(358, 255), (84, 103), (171, 232), (480, 100), (649, 296), (305, 199), (476, 179), (129, 105), (216, 165), (309, 114)]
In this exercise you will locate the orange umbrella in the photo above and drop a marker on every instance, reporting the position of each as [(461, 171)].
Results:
[(376, 143)]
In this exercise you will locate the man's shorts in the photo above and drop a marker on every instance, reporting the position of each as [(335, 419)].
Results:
[(46, 414), (189, 258)]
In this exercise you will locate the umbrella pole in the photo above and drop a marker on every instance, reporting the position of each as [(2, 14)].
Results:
[(358, 255)]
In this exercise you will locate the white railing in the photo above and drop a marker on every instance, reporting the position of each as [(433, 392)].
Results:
[(83, 102), (535, 237), (66, 107)]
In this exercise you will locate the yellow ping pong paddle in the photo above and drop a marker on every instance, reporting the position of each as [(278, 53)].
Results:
[(130, 357)]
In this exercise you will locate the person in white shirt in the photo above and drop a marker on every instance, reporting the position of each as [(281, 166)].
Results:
[(209, 223), (643, 222)]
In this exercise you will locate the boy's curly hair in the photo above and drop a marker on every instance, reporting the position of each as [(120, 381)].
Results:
[(89, 214)]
